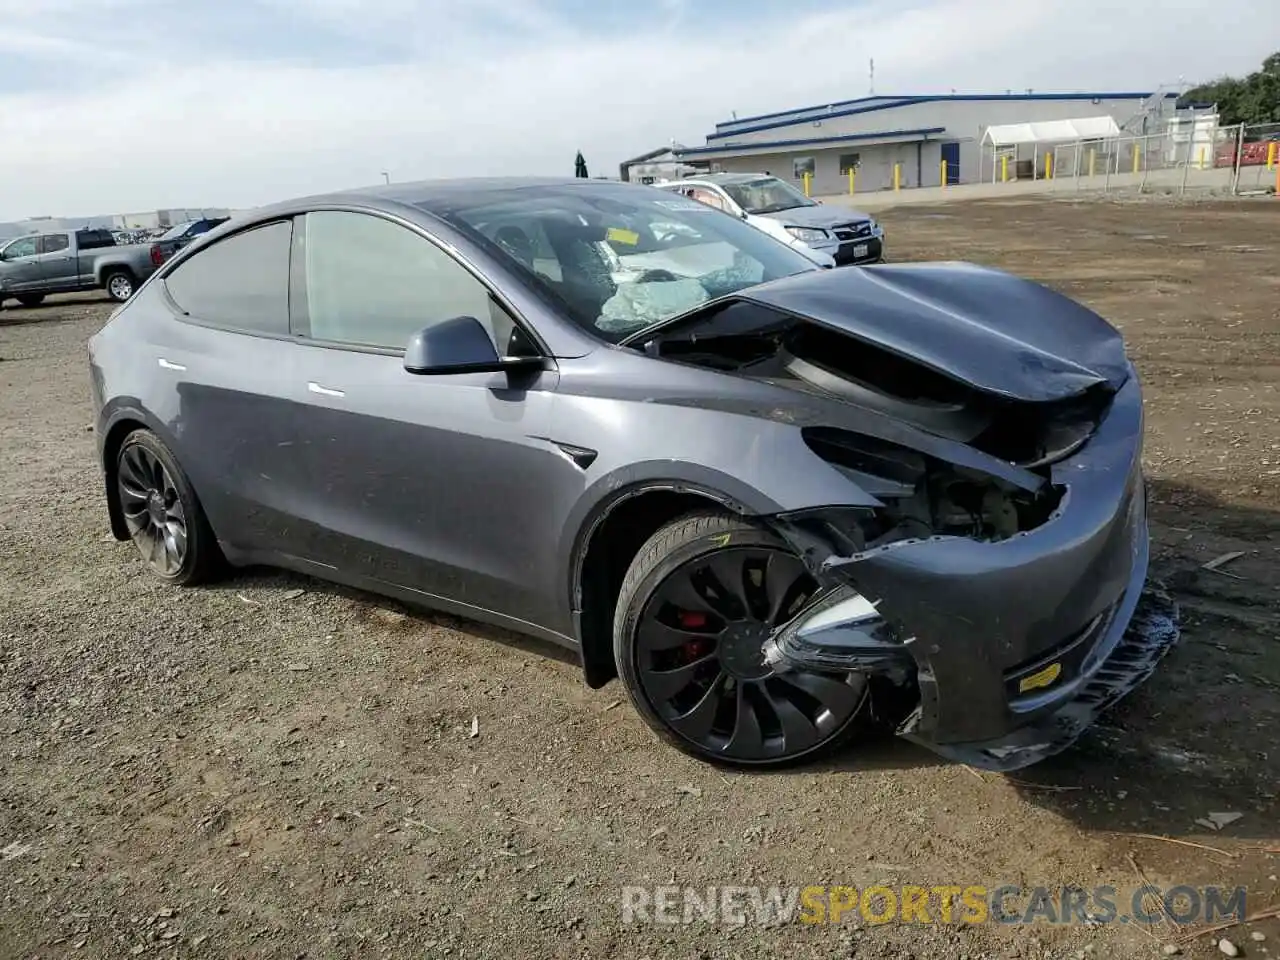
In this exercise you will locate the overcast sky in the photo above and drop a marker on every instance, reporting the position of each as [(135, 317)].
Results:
[(128, 105)]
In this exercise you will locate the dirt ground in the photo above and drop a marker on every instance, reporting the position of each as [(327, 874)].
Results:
[(274, 767)]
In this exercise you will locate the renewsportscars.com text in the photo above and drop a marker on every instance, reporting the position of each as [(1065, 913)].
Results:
[(971, 904)]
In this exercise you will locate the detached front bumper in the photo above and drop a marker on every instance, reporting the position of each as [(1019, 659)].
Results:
[(1150, 632), (1018, 645)]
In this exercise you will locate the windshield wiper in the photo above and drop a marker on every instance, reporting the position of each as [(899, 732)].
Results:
[(779, 207)]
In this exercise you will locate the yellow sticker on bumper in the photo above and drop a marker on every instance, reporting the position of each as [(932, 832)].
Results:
[(1040, 679)]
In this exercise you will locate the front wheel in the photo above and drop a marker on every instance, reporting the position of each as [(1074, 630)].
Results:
[(119, 285), (31, 299), (697, 604)]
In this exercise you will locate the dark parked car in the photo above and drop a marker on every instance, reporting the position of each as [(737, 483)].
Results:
[(751, 488), (181, 234)]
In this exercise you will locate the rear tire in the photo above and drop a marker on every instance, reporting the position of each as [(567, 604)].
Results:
[(119, 285), (162, 513), (31, 299), (694, 609)]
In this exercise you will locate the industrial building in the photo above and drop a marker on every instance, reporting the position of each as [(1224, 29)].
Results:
[(146, 220), (880, 137)]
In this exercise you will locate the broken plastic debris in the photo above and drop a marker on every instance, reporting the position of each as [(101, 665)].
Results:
[(15, 850), (1216, 821)]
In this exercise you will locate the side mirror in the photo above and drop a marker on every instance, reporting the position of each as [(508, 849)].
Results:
[(459, 345)]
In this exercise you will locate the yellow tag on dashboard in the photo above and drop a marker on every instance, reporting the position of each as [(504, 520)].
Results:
[(619, 235)]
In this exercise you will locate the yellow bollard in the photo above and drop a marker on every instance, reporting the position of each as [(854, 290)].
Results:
[(1272, 148), (1004, 169), (851, 181), (897, 176), (1048, 165), (1093, 156), (943, 181), (1200, 159), (807, 177), (1137, 157)]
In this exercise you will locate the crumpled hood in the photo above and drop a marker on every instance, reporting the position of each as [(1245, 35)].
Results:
[(819, 216), (996, 332)]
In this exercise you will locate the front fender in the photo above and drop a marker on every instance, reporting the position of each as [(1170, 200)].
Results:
[(766, 472)]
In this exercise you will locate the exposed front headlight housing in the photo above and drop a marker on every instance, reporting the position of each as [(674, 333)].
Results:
[(843, 608), (842, 632), (808, 234), (876, 229)]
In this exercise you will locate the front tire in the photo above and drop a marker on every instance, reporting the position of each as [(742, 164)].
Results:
[(162, 513), (697, 603), (119, 285)]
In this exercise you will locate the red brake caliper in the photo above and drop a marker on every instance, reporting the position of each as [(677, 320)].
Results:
[(699, 646)]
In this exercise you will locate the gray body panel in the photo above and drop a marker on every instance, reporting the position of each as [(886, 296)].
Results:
[(461, 492)]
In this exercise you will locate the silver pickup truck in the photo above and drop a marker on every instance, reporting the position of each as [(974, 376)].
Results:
[(63, 262)]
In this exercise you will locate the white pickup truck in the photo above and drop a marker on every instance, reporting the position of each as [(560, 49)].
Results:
[(34, 266)]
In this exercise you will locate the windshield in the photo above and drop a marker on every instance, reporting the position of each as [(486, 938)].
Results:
[(621, 259), (766, 195), (177, 230)]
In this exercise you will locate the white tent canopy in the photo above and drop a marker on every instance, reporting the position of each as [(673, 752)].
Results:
[(1052, 131)]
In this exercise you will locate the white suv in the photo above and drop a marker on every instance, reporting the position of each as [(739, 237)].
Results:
[(829, 234)]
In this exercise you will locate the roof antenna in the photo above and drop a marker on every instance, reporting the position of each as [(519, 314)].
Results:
[(871, 90)]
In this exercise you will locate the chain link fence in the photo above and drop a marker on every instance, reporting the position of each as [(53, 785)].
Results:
[(1189, 158), (1170, 162), (1194, 155), (1255, 157)]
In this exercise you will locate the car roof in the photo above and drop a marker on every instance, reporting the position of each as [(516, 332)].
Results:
[(729, 177), (442, 196)]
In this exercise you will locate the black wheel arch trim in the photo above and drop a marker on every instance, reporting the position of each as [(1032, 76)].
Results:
[(610, 491), (110, 434)]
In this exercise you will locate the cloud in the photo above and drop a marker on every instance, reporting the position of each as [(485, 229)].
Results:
[(247, 101)]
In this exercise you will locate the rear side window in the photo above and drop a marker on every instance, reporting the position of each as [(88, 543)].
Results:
[(53, 242), (241, 282), (94, 239)]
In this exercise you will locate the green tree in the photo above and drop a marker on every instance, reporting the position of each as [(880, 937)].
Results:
[(1251, 99)]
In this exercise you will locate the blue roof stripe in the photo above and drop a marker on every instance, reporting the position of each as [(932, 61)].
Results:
[(804, 114), (695, 152), (788, 113)]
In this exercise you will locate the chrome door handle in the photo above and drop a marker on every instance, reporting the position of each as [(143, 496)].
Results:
[(170, 365), (314, 387)]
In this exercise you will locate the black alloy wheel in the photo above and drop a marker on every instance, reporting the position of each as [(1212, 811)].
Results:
[(700, 600), (161, 513)]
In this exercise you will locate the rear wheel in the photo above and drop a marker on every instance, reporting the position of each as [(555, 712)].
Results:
[(165, 520), (31, 299), (119, 285), (697, 604)]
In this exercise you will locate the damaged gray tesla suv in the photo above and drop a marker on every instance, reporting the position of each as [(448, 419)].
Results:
[(754, 490)]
